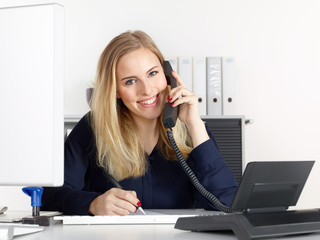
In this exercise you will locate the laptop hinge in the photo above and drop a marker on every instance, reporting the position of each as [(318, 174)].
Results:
[(269, 209)]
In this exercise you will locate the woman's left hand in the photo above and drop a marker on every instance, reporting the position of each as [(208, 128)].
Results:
[(186, 100)]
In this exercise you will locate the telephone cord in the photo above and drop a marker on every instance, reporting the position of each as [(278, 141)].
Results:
[(194, 180)]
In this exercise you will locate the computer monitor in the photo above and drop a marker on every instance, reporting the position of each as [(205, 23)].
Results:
[(31, 95)]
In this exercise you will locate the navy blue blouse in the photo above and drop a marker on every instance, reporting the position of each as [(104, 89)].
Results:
[(164, 185)]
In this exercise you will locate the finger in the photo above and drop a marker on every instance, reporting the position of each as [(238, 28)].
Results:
[(118, 201), (119, 211), (178, 78), (123, 207), (130, 197), (178, 92), (179, 101)]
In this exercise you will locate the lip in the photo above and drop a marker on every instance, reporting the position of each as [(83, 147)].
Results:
[(149, 105)]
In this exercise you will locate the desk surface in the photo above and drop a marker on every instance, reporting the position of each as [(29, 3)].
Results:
[(134, 232)]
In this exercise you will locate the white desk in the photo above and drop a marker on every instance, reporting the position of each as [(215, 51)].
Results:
[(134, 232)]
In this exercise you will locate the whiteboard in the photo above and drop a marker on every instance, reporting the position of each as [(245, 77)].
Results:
[(31, 95)]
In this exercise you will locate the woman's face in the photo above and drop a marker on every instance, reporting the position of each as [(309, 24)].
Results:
[(141, 84)]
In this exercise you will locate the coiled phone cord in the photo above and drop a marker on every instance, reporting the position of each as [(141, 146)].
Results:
[(204, 192)]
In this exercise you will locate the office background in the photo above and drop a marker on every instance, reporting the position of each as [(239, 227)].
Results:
[(276, 45)]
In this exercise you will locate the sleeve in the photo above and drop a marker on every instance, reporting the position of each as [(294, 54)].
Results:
[(211, 170), (70, 198)]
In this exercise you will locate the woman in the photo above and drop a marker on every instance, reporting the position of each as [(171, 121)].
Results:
[(123, 136)]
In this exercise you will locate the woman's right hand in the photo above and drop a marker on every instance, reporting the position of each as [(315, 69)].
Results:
[(115, 201)]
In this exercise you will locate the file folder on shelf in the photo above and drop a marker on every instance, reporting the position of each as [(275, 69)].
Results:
[(199, 83), (214, 86), (185, 70), (228, 85)]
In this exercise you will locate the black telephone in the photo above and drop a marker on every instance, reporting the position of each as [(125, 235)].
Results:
[(170, 114), (169, 119)]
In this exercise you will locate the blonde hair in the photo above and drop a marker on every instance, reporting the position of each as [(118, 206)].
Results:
[(118, 150)]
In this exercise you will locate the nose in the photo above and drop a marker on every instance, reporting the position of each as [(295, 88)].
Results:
[(146, 87)]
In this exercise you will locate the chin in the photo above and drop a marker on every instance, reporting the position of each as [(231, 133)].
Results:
[(155, 115)]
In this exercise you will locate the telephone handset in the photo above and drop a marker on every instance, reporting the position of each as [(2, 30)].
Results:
[(169, 119), (170, 114)]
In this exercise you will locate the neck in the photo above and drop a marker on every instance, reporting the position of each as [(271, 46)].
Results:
[(149, 134)]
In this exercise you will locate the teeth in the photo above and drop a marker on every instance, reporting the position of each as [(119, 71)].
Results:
[(150, 101)]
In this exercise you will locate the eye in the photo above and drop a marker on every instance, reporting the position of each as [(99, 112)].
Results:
[(130, 82), (153, 73)]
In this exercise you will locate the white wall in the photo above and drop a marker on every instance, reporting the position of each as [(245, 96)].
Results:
[(276, 44)]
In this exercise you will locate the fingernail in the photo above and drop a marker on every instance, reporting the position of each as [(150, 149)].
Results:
[(172, 104), (139, 204)]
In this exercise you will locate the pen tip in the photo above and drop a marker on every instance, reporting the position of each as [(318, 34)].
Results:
[(141, 210)]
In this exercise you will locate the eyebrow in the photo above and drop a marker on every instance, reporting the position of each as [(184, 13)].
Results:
[(129, 77)]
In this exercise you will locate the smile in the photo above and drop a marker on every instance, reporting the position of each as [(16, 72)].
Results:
[(149, 101)]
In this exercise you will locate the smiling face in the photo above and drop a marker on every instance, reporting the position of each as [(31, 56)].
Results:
[(141, 84)]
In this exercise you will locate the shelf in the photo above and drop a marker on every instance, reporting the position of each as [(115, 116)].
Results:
[(72, 118)]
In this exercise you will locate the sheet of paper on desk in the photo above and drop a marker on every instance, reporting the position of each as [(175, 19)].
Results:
[(10, 230), (150, 218)]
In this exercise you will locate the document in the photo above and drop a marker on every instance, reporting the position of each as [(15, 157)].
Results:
[(10, 230), (13, 216), (151, 217)]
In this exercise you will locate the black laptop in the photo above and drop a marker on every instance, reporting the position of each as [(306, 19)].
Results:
[(266, 191)]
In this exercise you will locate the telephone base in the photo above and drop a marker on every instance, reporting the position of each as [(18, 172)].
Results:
[(256, 225)]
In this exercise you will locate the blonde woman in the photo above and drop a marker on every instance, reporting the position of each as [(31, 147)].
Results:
[(123, 136)]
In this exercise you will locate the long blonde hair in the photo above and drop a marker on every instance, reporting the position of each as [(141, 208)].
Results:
[(118, 150)]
